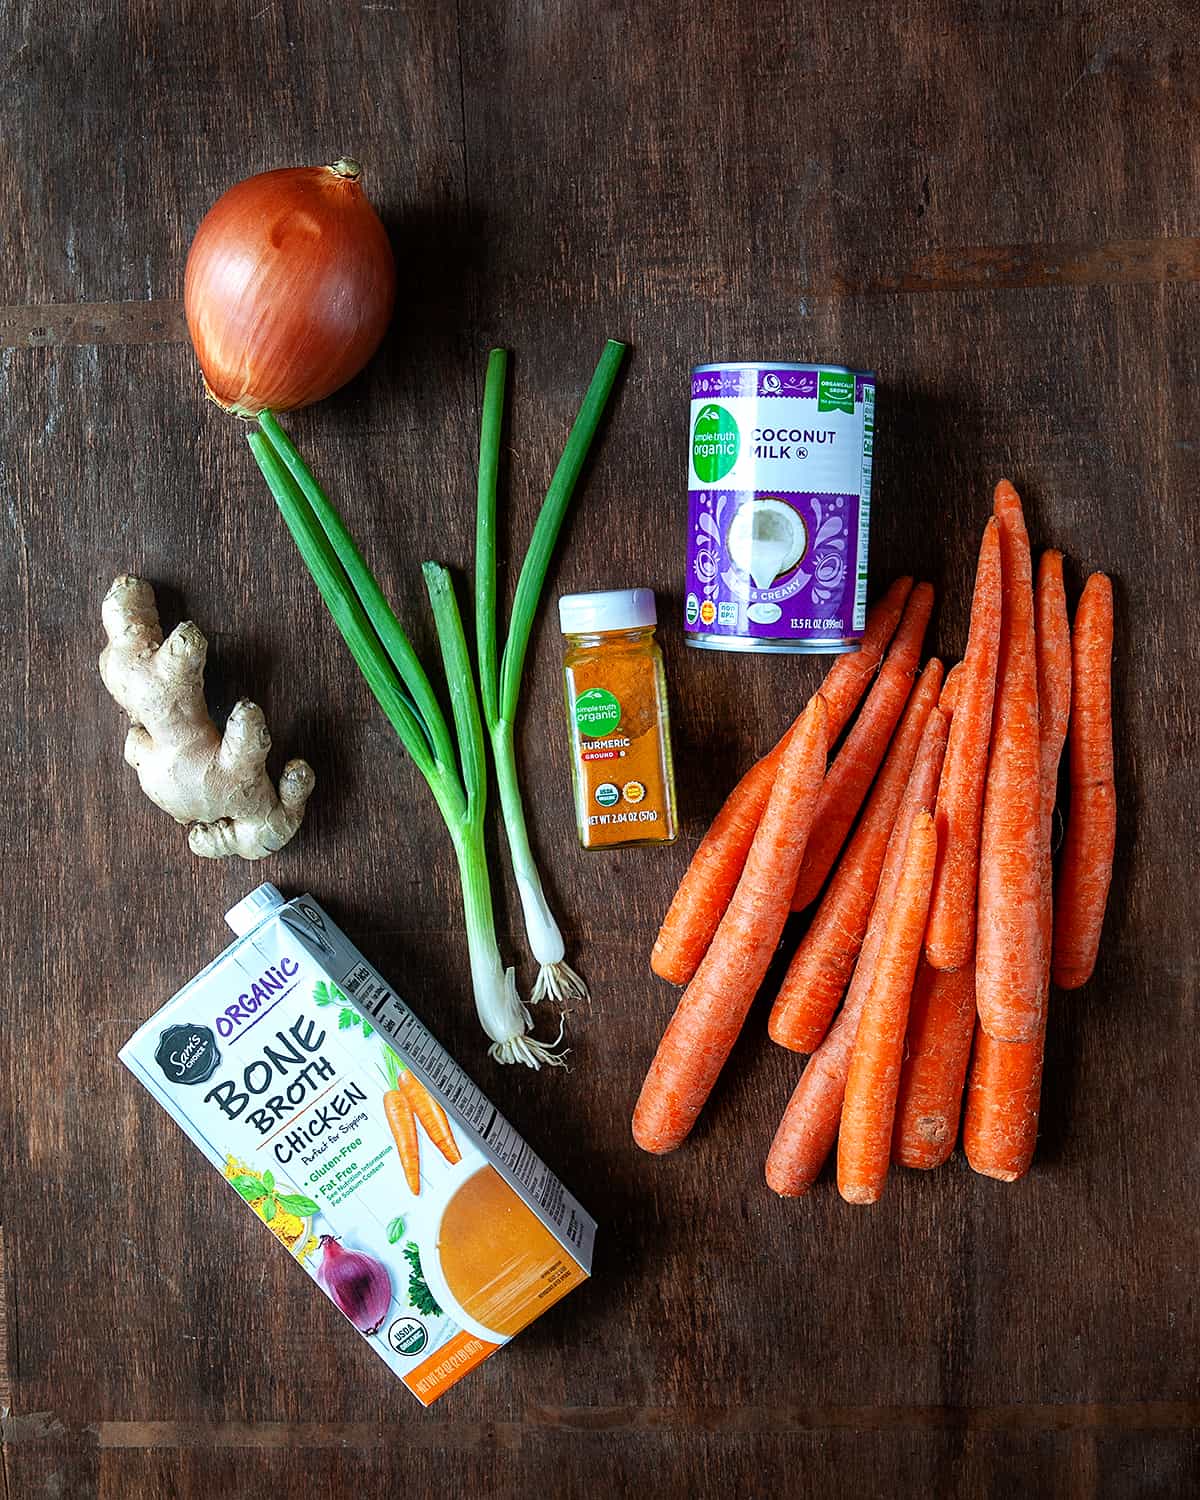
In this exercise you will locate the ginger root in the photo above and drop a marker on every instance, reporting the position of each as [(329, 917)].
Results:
[(216, 783)]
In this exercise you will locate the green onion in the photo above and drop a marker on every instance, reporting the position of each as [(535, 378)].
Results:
[(500, 676), (385, 656)]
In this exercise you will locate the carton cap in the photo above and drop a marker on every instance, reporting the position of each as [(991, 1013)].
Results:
[(251, 909)]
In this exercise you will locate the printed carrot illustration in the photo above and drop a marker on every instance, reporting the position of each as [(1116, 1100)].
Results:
[(403, 1125), (809, 1125), (1010, 942), (950, 941), (431, 1115), (1004, 1094), (868, 1112), (706, 888), (408, 1100), (849, 777), (713, 1008), (820, 970), (1085, 872)]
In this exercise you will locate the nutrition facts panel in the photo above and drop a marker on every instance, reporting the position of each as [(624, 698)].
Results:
[(374, 998)]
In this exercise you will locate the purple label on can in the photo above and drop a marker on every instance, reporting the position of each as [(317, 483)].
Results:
[(779, 485), (776, 565)]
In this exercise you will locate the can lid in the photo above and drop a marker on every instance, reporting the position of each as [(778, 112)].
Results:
[(251, 909), (606, 609)]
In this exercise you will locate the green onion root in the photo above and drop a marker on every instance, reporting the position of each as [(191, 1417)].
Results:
[(556, 980), (504, 1019)]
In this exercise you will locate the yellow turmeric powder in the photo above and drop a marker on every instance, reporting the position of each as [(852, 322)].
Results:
[(617, 718), (286, 1227)]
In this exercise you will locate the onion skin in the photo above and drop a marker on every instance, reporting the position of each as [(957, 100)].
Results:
[(289, 288), (357, 1283)]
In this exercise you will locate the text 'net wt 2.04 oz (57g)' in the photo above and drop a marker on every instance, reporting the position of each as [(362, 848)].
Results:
[(342, 1123)]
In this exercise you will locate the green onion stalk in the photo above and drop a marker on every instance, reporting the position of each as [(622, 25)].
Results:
[(453, 766), (500, 674)]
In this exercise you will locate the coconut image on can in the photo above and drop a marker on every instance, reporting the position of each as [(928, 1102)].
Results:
[(779, 503)]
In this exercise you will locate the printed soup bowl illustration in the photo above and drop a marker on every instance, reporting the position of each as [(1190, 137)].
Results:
[(493, 1265)]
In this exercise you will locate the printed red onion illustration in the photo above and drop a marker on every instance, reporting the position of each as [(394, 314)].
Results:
[(357, 1282), (289, 288)]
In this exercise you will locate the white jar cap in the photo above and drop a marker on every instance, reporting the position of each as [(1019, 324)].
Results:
[(607, 609), (252, 909)]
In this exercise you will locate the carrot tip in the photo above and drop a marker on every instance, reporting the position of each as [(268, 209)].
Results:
[(785, 1189), (858, 1193), (997, 1174)]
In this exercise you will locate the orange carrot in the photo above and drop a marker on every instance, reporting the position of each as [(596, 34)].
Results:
[(1010, 941), (869, 1109), (403, 1125), (942, 1013), (950, 688), (1085, 872), (1053, 640), (850, 675), (849, 777), (431, 1115), (818, 974), (941, 1020), (809, 1126), (950, 940), (713, 1007), (1004, 1095), (709, 881)]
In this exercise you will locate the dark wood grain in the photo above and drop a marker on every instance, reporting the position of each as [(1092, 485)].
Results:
[(991, 203)]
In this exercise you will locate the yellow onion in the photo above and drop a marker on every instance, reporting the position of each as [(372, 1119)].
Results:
[(289, 288)]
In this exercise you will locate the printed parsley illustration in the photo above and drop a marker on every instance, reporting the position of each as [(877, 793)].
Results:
[(329, 994)]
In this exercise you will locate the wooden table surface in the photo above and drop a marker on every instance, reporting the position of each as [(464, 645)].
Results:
[(992, 204)]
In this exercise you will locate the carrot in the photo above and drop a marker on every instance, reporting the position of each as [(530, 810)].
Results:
[(941, 1020), (1085, 871), (1010, 941), (431, 1115), (1003, 1097), (818, 974), (714, 1006), (403, 1125), (709, 881), (1004, 1094), (809, 1125), (1053, 644), (850, 675), (869, 1108), (808, 1129), (950, 689), (950, 940), (850, 775)]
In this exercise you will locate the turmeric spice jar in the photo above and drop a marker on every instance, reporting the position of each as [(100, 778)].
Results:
[(617, 718)]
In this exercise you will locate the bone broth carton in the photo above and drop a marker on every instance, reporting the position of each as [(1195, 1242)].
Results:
[(365, 1149)]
